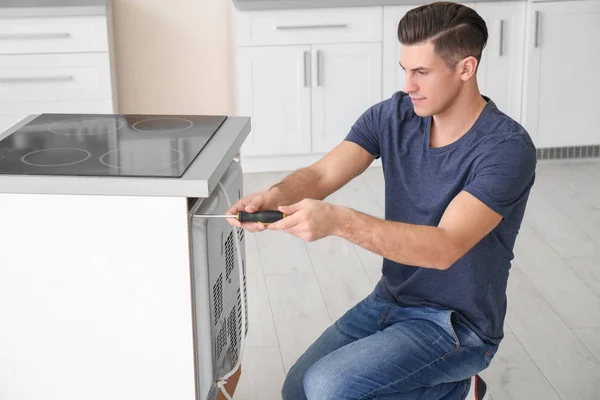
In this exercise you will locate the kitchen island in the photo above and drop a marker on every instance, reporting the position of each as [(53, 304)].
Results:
[(109, 286)]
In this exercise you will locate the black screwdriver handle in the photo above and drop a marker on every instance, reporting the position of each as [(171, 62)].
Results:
[(262, 217)]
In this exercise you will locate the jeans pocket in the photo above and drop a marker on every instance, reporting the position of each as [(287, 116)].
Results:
[(465, 336)]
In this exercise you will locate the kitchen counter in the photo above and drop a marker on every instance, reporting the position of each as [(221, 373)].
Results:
[(50, 8), (116, 276), (198, 181), (249, 5)]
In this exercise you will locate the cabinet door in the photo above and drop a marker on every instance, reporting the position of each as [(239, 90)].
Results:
[(346, 82), (561, 73), (274, 90), (393, 75), (500, 73)]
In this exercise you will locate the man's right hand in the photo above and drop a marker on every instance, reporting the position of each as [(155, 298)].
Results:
[(252, 203)]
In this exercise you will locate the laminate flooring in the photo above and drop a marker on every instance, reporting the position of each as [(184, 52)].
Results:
[(551, 349)]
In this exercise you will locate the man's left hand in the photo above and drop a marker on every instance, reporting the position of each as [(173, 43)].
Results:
[(308, 220)]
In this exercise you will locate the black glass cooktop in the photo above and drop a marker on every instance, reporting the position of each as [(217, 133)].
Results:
[(107, 145)]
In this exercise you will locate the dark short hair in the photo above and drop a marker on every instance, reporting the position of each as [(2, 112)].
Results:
[(457, 31)]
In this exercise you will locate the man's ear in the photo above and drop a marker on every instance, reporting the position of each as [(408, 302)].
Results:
[(467, 68)]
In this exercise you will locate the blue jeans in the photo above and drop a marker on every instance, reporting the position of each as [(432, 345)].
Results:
[(380, 350)]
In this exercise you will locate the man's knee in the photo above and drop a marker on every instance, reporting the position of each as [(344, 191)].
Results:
[(293, 388), (322, 382), (317, 383)]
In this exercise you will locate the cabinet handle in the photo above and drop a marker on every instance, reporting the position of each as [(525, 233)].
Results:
[(35, 36), (536, 39), (38, 79), (319, 63), (500, 24), (307, 69), (296, 27)]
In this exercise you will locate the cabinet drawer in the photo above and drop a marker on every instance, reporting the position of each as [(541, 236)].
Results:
[(60, 77), (53, 35), (7, 121), (308, 26), (13, 113), (22, 110)]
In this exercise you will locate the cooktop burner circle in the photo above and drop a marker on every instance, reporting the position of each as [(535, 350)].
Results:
[(163, 125), (55, 157), (86, 126), (103, 160)]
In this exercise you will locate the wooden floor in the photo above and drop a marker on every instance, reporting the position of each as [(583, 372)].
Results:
[(552, 345)]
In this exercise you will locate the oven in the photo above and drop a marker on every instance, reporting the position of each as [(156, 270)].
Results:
[(216, 286)]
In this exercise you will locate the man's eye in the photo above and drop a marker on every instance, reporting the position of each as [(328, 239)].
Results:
[(421, 72)]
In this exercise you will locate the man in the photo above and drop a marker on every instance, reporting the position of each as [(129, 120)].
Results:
[(457, 178)]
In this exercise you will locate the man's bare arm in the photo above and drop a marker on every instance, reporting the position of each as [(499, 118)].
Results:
[(338, 167), (465, 222)]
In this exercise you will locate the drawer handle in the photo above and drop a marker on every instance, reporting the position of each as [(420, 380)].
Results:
[(307, 74), (38, 79), (319, 65), (296, 27), (500, 24), (34, 36), (536, 31)]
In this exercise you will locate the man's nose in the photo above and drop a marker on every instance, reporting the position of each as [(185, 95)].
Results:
[(409, 84)]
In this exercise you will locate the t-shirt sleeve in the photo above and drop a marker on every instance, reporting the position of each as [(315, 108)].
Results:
[(505, 175), (366, 130)]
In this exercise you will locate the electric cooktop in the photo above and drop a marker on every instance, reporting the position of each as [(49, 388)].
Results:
[(107, 145)]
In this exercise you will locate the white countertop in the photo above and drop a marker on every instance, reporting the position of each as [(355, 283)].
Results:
[(199, 180), (51, 8), (249, 5)]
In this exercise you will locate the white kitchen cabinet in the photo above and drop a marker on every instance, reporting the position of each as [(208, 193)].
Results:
[(347, 83), (69, 34), (304, 26), (304, 77), (274, 88), (561, 73), (304, 99), (6, 121), (500, 74), (393, 74), (56, 64), (55, 77), (13, 113)]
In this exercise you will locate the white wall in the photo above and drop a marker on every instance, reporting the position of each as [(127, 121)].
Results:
[(174, 57)]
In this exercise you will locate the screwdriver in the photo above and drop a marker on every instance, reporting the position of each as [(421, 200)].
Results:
[(264, 217)]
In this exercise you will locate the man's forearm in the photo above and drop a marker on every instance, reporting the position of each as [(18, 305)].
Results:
[(301, 184), (416, 245)]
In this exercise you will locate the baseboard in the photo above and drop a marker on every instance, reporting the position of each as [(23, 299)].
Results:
[(568, 152)]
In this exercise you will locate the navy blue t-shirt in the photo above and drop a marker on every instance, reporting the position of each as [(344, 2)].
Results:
[(494, 161)]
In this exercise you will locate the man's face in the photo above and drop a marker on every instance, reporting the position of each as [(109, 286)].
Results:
[(430, 83)]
